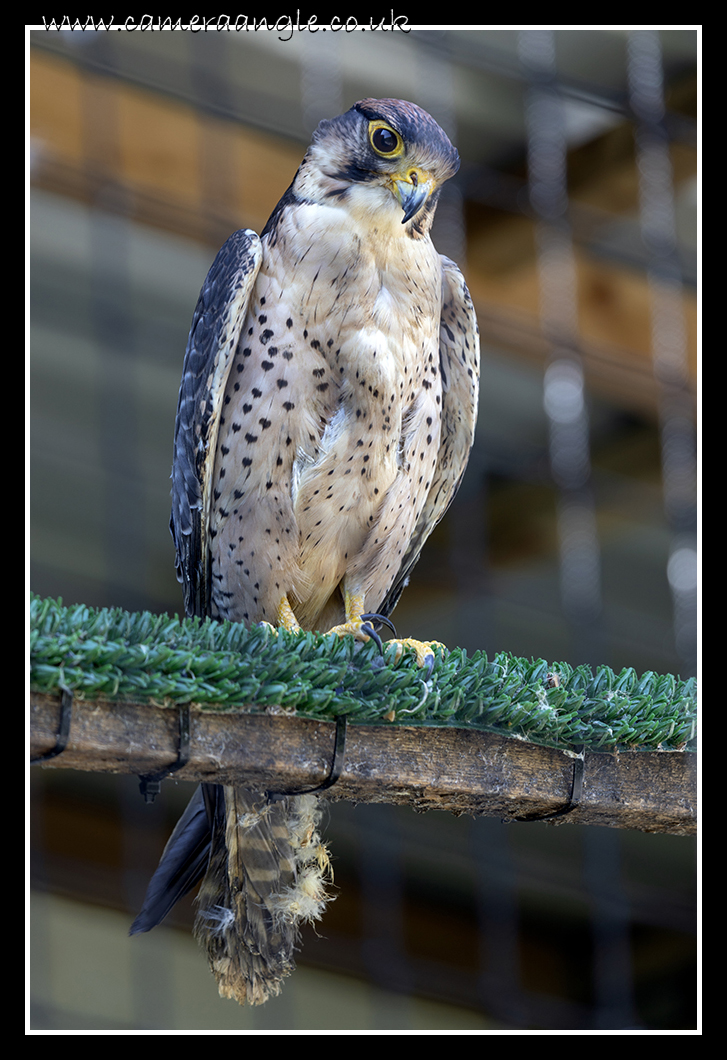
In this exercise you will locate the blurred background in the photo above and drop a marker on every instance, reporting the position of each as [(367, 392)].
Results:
[(575, 219)]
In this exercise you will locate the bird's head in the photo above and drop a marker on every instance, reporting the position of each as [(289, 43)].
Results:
[(383, 156)]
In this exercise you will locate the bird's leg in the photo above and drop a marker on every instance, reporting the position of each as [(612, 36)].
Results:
[(355, 624), (286, 617)]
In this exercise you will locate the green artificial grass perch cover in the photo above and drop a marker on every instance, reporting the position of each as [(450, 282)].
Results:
[(223, 666)]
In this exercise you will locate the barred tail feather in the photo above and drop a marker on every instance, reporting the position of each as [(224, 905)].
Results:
[(267, 874)]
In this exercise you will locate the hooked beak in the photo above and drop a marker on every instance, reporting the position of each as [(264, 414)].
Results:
[(412, 191)]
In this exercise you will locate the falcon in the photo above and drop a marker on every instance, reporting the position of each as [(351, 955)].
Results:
[(326, 415)]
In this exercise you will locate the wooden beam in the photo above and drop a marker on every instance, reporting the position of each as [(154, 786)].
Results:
[(460, 770)]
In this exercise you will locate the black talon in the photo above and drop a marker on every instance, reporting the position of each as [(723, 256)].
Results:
[(381, 619), (371, 632)]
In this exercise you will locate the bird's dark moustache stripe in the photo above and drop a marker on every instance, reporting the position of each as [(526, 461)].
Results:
[(354, 173)]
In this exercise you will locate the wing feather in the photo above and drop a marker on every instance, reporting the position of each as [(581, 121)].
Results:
[(184, 861), (213, 337)]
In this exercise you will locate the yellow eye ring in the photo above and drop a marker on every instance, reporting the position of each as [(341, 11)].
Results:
[(385, 140)]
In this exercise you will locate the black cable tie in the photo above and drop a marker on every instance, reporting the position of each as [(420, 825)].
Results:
[(339, 755), (576, 793), (64, 729), (150, 783)]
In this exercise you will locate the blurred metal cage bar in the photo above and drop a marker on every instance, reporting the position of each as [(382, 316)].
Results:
[(500, 987), (321, 79), (112, 320), (382, 880), (669, 345), (614, 1005), (564, 401), (564, 392), (209, 80), (437, 95)]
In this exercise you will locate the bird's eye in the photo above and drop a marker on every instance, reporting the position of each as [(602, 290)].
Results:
[(385, 141)]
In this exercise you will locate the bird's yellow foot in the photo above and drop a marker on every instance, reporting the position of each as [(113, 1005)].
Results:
[(362, 629), (358, 624), (424, 650), (354, 628)]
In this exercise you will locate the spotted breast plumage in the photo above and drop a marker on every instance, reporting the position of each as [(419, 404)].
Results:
[(326, 414)]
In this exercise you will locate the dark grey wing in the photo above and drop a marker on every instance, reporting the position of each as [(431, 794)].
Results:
[(213, 337), (184, 861), (459, 362)]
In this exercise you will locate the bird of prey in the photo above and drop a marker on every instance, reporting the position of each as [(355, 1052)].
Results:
[(326, 414)]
